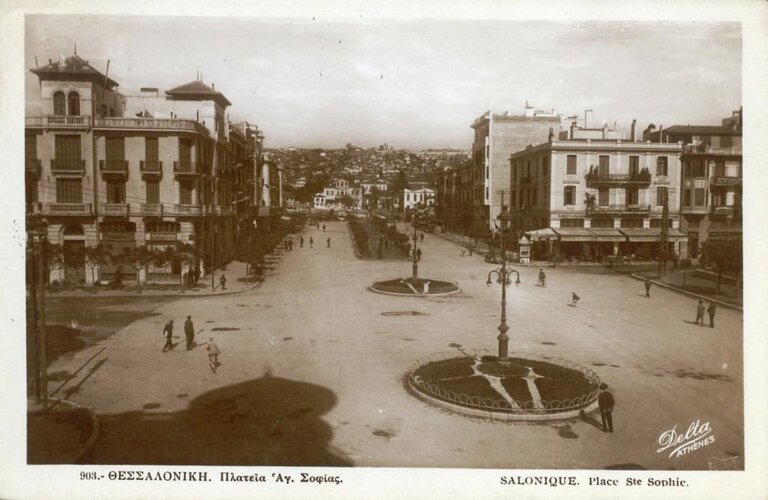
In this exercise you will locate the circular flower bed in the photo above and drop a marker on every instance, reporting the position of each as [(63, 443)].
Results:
[(518, 387), (414, 287)]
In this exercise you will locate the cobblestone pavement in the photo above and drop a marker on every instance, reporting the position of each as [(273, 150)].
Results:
[(312, 370)]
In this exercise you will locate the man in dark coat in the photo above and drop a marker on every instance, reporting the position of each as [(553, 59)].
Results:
[(700, 312), (648, 288), (711, 310), (605, 401), (168, 333), (189, 333)]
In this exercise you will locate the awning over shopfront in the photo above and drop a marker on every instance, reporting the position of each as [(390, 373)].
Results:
[(608, 234), (638, 235), (541, 234), (575, 235)]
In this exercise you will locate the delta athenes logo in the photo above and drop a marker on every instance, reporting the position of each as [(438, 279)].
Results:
[(697, 436)]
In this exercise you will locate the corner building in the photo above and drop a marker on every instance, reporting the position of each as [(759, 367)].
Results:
[(590, 194), (125, 171)]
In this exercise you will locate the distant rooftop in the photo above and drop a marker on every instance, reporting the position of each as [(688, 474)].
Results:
[(197, 90)]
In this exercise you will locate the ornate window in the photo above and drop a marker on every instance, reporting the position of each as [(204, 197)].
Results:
[(74, 103), (59, 104)]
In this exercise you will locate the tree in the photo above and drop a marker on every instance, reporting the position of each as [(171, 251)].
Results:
[(723, 256), (347, 200), (97, 256), (399, 184), (137, 258)]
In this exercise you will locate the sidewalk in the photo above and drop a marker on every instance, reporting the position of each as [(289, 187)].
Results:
[(233, 271)]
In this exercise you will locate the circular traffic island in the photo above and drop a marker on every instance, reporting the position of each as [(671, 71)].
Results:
[(516, 388), (414, 287)]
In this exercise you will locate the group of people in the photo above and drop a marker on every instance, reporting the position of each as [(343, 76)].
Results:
[(189, 335), (311, 242), (193, 275)]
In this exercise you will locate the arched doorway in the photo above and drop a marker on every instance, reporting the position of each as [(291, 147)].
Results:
[(73, 244)]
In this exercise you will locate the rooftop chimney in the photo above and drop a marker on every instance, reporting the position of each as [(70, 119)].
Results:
[(661, 133), (632, 133)]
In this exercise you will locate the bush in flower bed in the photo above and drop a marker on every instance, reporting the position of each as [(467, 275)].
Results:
[(555, 382), (401, 286)]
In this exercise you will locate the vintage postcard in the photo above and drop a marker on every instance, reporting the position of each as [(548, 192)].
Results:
[(360, 252)]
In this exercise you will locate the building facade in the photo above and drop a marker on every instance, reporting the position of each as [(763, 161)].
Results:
[(590, 198), (341, 195), (128, 171)]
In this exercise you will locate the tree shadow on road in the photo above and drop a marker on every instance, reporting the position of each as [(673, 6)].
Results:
[(268, 421)]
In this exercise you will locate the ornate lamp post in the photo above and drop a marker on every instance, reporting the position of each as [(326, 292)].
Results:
[(504, 278)]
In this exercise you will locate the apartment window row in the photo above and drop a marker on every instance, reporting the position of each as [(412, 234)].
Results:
[(604, 165), (631, 196), (695, 197)]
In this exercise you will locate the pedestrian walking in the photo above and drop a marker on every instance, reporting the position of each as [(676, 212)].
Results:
[(311, 242), (647, 288), (542, 278), (323, 227), (711, 310), (213, 354), (418, 255), (168, 333), (421, 237), (574, 299), (700, 312), (605, 402), (301, 242), (189, 333), (223, 282), (328, 243), (196, 275)]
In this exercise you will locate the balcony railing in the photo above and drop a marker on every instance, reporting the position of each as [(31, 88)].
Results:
[(68, 166), (642, 177), (68, 209), (189, 168), (225, 210), (149, 123), (114, 166), (60, 121), (189, 210), (33, 166), (162, 236), (151, 167), (724, 181), (621, 208), (724, 210), (710, 150), (152, 209), (115, 209)]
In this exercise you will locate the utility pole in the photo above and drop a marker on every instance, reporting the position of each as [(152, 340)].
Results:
[(33, 372), (43, 343), (213, 230), (664, 237)]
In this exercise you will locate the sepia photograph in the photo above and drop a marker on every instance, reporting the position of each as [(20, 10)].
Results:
[(278, 248)]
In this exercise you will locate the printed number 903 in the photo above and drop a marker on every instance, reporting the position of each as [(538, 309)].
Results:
[(88, 476)]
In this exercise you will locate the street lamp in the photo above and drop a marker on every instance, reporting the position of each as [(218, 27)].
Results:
[(504, 278), (413, 254)]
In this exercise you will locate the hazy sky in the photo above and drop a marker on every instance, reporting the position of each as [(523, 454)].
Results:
[(414, 83)]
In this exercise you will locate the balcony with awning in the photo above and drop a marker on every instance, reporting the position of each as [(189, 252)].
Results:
[(641, 178), (640, 235), (68, 167), (114, 168)]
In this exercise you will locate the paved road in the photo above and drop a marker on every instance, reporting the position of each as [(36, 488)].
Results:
[(312, 372)]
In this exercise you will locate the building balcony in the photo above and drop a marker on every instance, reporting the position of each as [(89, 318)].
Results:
[(151, 167), (115, 209), (626, 208), (58, 121), (68, 209), (723, 210), (114, 167), (702, 209), (188, 168), (152, 209), (725, 181), (704, 149), (162, 236), (639, 178), (33, 166), (34, 208), (183, 210), (220, 210), (68, 167), (135, 123)]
